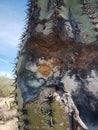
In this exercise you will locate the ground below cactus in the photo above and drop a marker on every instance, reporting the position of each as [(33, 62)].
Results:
[(8, 120), (8, 109)]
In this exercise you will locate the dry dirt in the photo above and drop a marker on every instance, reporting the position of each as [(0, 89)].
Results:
[(8, 112)]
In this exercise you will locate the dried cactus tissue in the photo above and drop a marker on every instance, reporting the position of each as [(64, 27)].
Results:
[(57, 66)]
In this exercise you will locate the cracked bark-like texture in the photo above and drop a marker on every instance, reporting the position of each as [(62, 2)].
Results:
[(59, 52)]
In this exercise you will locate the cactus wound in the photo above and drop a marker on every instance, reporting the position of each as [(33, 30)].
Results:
[(57, 58)]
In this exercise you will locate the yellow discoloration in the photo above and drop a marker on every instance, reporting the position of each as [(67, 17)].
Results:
[(44, 69)]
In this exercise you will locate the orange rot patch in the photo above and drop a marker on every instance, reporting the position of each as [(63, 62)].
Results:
[(44, 69)]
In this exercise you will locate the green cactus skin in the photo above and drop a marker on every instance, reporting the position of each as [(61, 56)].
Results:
[(78, 19), (58, 49), (43, 115)]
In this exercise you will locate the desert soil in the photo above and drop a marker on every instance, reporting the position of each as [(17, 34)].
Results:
[(8, 114)]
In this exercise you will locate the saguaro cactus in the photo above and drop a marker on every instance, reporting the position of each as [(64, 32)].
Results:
[(57, 66)]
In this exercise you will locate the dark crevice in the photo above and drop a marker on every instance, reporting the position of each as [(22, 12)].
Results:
[(87, 105)]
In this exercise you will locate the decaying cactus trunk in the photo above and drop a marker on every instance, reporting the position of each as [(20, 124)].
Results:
[(57, 80)]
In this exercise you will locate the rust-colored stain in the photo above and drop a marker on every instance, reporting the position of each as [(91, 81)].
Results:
[(67, 53), (44, 69)]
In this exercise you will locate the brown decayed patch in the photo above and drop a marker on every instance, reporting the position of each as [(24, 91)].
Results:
[(70, 53), (85, 57), (44, 69), (47, 46)]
